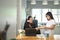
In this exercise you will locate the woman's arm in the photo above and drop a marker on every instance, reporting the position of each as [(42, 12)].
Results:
[(44, 27), (51, 27), (38, 28)]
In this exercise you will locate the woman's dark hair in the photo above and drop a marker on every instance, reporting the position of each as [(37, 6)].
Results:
[(50, 14), (29, 17), (26, 23)]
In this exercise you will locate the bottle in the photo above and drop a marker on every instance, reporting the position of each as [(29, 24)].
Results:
[(46, 34)]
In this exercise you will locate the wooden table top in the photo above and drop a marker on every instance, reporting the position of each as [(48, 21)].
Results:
[(19, 37)]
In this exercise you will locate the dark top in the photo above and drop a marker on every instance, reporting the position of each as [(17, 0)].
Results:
[(28, 25), (31, 25)]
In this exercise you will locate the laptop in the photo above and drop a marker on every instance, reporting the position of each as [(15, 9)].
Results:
[(30, 32)]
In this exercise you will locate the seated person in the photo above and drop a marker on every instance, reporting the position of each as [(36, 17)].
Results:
[(29, 23)]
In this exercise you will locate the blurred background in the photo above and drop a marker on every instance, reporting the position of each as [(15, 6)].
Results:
[(8, 13), (15, 13)]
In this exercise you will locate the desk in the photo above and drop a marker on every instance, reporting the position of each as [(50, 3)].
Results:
[(33, 38)]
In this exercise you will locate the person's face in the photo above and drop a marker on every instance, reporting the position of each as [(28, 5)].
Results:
[(48, 17), (30, 20)]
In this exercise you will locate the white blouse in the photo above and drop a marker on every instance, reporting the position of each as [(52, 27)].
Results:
[(48, 24)]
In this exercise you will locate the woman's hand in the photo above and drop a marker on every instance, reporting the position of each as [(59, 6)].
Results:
[(37, 29), (40, 28)]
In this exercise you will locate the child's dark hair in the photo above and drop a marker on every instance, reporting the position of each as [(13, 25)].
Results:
[(50, 14)]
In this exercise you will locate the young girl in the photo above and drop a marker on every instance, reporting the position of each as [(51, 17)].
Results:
[(50, 25)]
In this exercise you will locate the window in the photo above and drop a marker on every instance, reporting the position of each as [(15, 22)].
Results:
[(59, 15), (44, 11), (40, 14), (54, 12), (37, 13)]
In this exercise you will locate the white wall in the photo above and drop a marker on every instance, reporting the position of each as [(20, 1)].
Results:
[(8, 12)]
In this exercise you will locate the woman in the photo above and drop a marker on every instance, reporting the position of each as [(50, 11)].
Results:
[(50, 25), (28, 23)]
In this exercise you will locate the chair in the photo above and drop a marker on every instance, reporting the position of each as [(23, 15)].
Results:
[(3, 33)]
